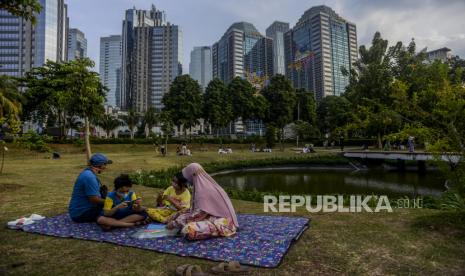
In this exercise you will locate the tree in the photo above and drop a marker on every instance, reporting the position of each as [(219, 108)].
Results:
[(333, 112), (305, 106), (398, 93), (131, 120), (372, 75), (270, 136), (167, 126), (217, 109), (184, 102), (246, 104), (282, 99), (47, 96), (457, 68), (109, 123), (305, 130), (10, 103), (374, 120), (27, 9), (86, 93), (10, 97), (150, 119)]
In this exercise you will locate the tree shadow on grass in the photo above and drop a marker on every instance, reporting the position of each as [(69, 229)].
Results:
[(450, 223)]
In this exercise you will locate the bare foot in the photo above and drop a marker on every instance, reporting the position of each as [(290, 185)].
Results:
[(170, 225)]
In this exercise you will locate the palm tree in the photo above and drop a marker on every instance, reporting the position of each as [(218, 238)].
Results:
[(150, 119), (10, 98), (131, 120), (109, 123)]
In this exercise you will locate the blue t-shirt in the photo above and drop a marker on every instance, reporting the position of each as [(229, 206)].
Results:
[(87, 184), (113, 199)]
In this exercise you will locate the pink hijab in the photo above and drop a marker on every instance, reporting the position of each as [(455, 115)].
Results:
[(208, 195)]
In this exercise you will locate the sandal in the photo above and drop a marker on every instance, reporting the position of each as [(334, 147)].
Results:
[(231, 268), (190, 270)]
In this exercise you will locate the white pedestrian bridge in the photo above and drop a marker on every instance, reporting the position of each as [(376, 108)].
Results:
[(399, 155)]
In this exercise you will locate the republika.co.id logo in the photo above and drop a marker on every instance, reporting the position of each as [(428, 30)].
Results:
[(327, 203)]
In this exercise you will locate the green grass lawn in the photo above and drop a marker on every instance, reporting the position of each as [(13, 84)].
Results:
[(407, 241)]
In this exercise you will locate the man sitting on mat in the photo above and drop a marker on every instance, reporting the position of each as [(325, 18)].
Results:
[(88, 196)]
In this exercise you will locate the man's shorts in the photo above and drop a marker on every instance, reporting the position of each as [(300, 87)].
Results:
[(88, 216)]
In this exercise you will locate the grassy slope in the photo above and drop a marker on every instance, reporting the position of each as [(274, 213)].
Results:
[(404, 242)]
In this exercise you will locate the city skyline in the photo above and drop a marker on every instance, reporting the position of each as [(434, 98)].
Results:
[(433, 24)]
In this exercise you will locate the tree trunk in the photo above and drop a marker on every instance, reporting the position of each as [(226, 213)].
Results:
[(166, 144), (3, 159), (132, 133), (380, 143), (86, 138), (282, 138), (60, 135)]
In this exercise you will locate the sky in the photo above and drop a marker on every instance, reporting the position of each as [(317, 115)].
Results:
[(432, 23)]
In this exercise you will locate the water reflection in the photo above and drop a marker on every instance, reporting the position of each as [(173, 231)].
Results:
[(336, 182)]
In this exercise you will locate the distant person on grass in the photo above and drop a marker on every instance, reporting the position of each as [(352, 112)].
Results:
[(88, 194), (122, 207)]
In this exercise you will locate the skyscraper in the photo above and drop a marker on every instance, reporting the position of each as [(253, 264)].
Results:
[(200, 66), (317, 48), (242, 51), (110, 68), (23, 46), (77, 44), (276, 32), (151, 58)]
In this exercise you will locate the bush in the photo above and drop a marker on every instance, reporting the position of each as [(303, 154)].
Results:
[(78, 142), (35, 142)]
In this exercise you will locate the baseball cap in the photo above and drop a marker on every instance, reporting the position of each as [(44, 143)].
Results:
[(99, 159)]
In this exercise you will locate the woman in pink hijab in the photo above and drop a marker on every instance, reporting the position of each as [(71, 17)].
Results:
[(211, 213)]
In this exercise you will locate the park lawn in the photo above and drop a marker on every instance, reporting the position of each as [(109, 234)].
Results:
[(407, 241)]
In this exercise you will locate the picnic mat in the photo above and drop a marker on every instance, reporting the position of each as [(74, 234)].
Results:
[(261, 241)]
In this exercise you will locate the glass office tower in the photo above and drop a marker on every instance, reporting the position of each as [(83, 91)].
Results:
[(151, 58), (23, 46), (319, 46), (110, 68)]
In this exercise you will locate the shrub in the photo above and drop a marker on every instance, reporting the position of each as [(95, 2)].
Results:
[(35, 142)]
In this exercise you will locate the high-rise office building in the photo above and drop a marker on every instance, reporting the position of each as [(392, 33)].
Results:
[(77, 44), (242, 51), (23, 46), (276, 32), (200, 66), (151, 58), (110, 68), (317, 48)]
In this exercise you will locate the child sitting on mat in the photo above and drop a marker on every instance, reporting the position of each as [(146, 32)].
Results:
[(122, 207), (175, 198)]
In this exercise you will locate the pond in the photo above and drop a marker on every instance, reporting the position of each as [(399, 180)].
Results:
[(346, 182)]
